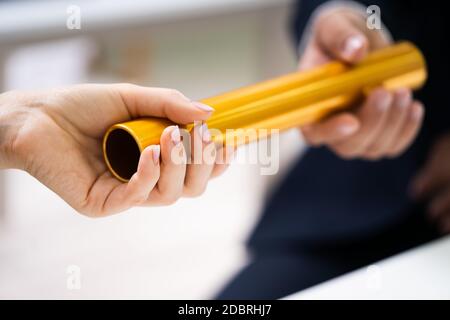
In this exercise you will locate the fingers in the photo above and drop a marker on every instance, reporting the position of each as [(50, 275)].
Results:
[(390, 123), (340, 38), (331, 130), (393, 127), (203, 156), (372, 116), (160, 102), (137, 190), (410, 129), (313, 56), (177, 179), (384, 126), (173, 169), (223, 159)]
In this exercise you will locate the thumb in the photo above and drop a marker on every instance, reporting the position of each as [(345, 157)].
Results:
[(163, 103), (340, 38)]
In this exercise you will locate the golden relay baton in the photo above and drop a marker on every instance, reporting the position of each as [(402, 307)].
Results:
[(288, 101)]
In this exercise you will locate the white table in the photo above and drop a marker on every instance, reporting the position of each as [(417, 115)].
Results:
[(420, 273)]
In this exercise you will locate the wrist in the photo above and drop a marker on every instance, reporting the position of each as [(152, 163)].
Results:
[(12, 118)]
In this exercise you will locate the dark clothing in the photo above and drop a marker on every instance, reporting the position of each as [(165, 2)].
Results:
[(330, 215), (283, 270)]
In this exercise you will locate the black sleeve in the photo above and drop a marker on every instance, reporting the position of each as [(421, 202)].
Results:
[(301, 13)]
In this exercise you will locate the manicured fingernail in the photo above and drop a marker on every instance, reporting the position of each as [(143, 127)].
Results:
[(417, 112), (156, 152), (206, 135), (348, 129), (352, 45), (175, 135), (202, 106)]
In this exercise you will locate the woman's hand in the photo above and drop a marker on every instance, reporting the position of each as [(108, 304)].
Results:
[(386, 123), (56, 136)]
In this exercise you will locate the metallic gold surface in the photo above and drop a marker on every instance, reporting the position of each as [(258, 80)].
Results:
[(289, 101)]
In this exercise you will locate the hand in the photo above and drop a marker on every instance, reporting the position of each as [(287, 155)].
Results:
[(56, 136), (432, 184), (386, 123)]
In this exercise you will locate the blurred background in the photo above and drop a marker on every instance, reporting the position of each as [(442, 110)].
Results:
[(200, 47)]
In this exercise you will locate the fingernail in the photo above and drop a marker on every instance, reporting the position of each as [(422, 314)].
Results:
[(348, 129), (206, 135), (175, 135), (352, 45), (156, 152), (417, 112), (202, 106)]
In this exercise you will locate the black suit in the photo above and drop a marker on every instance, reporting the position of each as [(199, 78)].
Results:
[(331, 216)]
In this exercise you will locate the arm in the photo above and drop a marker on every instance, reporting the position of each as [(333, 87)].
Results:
[(55, 135)]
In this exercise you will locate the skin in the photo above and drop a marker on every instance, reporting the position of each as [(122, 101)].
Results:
[(55, 135), (385, 123), (432, 184)]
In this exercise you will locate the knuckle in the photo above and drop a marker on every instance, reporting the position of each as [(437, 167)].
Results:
[(175, 94), (168, 199), (91, 212), (126, 86), (138, 200), (194, 192)]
